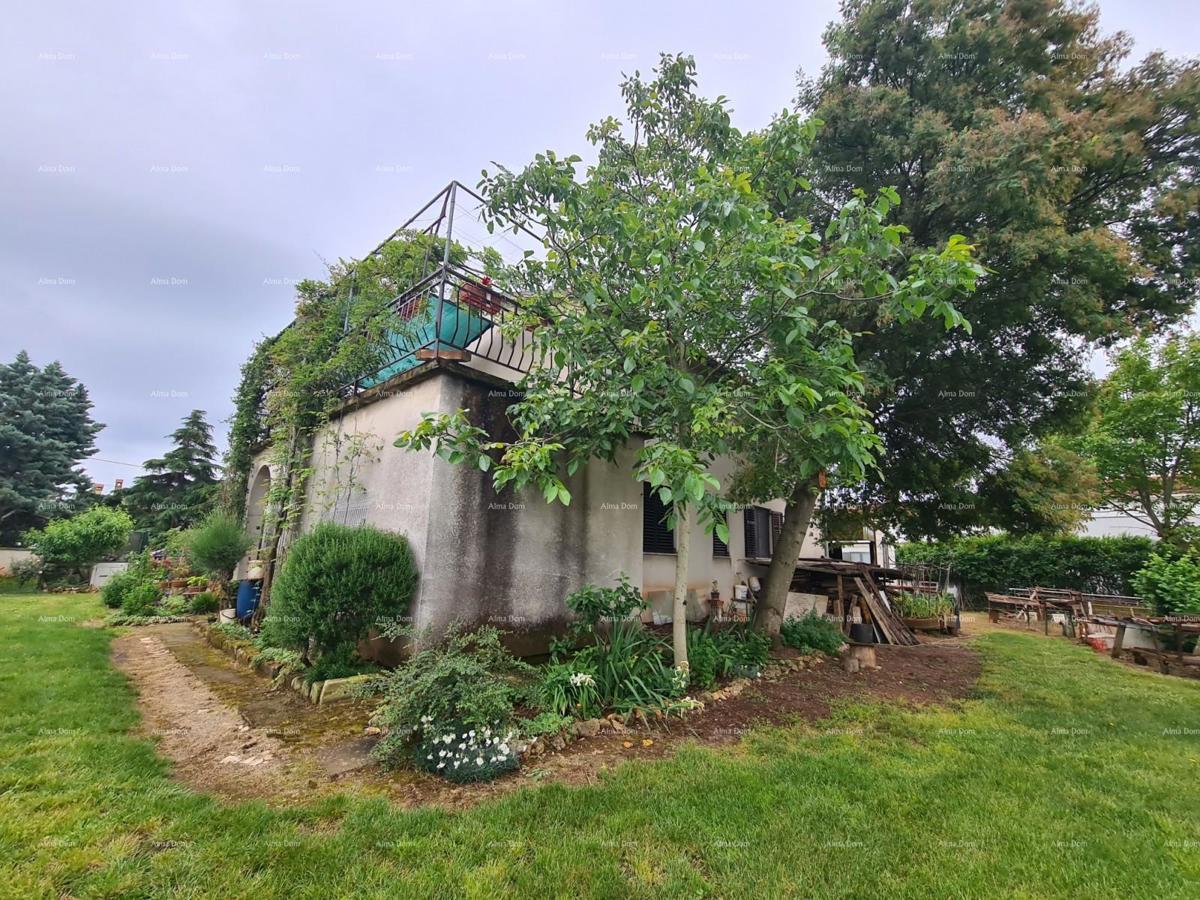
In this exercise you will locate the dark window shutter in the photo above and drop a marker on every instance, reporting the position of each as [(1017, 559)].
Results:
[(776, 529), (751, 531), (720, 548), (656, 536)]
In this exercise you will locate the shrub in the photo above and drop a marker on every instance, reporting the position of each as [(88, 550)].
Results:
[(141, 599), (335, 584), (704, 659), (26, 571), (174, 605), (632, 669), (450, 702), (743, 651), (117, 588), (998, 562), (217, 544), (464, 755), (594, 605), (629, 665), (731, 652), (1171, 585), (812, 631), (543, 724), (68, 547), (205, 603)]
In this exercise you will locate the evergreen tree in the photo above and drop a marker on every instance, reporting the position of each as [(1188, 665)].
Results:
[(46, 429), (1019, 124), (177, 488)]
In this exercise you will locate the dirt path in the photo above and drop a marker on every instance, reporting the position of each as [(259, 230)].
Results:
[(229, 733)]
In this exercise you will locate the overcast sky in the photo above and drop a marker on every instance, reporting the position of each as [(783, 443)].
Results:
[(169, 171)]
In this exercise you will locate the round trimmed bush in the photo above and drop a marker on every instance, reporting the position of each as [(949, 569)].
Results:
[(336, 583)]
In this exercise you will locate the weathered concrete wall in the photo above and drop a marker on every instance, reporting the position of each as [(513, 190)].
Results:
[(10, 555), (510, 559)]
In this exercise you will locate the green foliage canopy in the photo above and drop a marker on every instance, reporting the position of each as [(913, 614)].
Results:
[(1170, 583), (46, 429), (1145, 438), (1022, 125), (68, 547)]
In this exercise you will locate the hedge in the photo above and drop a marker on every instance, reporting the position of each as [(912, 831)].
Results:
[(1098, 565)]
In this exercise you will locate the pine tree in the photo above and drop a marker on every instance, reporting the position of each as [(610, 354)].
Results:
[(45, 431), (177, 489)]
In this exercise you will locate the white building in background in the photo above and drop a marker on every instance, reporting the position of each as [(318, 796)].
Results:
[(1114, 523)]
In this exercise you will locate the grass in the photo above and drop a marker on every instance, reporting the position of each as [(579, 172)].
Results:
[(1067, 776)]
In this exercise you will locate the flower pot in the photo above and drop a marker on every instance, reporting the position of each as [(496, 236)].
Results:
[(228, 616), (862, 633)]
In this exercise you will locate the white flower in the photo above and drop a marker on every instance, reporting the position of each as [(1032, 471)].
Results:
[(462, 746), (479, 760), (581, 678), (504, 749), (441, 765)]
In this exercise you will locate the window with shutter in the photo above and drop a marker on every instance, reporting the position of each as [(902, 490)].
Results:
[(656, 536), (720, 548), (760, 530), (750, 531)]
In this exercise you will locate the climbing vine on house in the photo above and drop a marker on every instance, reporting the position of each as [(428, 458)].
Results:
[(293, 383)]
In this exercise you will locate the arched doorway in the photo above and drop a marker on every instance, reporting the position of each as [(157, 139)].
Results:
[(256, 509)]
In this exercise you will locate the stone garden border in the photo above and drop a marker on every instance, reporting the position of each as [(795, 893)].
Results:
[(243, 653)]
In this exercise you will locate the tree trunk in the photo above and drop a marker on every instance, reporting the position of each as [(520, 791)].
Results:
[(768, 613), (683, 537)]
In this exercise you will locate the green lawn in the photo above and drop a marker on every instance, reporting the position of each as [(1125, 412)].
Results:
[(1068, 776)]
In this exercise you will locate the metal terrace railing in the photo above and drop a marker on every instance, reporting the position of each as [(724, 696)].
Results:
[(453, 312)]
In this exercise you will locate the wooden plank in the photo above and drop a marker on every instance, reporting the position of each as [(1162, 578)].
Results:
[(886, 621), (1118, 641)]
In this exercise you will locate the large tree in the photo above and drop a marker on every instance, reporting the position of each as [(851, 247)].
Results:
[(1019, 123), (177, 488), (671, 307), (46, 430), (1145, 439)]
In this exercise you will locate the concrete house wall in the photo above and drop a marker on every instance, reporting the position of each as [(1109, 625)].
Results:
[(506, 559)]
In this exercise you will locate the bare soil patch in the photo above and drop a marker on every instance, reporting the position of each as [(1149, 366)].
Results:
[(230, 733)]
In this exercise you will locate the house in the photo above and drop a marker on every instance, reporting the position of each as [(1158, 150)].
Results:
[(507, 559)]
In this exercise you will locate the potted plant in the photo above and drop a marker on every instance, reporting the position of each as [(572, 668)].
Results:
[(924, 612)]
